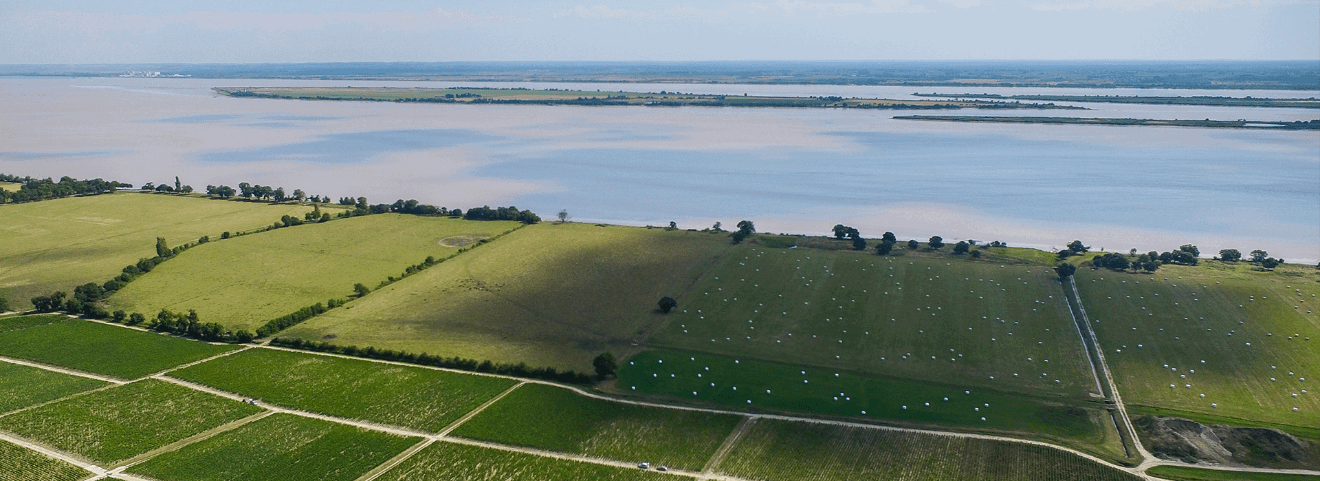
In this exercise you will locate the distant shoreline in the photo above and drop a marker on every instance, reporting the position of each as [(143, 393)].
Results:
[(1213, 124)]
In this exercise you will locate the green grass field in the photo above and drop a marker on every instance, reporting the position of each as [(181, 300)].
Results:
[(748, 384), (23, 386), (558, 419), (103, 349), (783, 450), (936, 319), (19, 464), (59, 244), (118, 423), (455, 462), (15, 322), (1182, 473), (423, 399), (10, 186), (548, 295), (278, 272), (1236, 336), (279, 447)]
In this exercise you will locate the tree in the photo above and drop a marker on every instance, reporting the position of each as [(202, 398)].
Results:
[(299, 195), (1190, 249), (840, 231), (961, 247), (1230, 255), (279, 195), (913, 244), (187, 189), (1258, 255), (136, 318), (605, 365), (162, 250), (4, 305), (859, 243), (245, 190), (889, 237), (361, 289), (716, 228), (177, 185), (1065, 270), (738, 236), (563, 216), (1076, 247), (667, 304), (884, 248), (976, 254), (673, 225), (1270, 262), (224, 191), (936, 242), (746, 227)]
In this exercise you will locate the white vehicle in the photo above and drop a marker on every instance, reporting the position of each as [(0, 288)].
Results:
[(644, 465)]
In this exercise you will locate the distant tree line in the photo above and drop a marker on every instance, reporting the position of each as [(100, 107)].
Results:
[(32, 190), (516, 370), (1186, 255)]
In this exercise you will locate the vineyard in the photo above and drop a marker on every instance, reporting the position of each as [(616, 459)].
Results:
[(22, 386), (418, 398), (115, 424), (785, 450), (457, 462), (279, 446), (19, 464), (1228, 342), (557, 419), (102, 349)]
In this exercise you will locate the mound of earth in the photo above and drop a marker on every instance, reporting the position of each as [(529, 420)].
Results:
[(1191, 441)]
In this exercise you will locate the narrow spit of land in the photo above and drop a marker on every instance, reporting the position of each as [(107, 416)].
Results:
[(525, 96), (1207, 123), (1295, 103)]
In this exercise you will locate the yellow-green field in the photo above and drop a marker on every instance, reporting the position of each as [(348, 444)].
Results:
[(1249, 341), (243, 282), (548, 295), (59, 244), (10, 186)]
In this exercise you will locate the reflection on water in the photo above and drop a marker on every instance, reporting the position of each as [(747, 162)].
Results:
[(796, 170)]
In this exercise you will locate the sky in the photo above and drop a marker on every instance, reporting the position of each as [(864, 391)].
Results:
[(264, 31)]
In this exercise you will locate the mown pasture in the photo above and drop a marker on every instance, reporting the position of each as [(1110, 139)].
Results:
[(557, 419), (413, 397), (760, 386), (59, 244), (950, 320), (116, 424), (103, 349), (279, 447), (1184, 473), (10, 186), (243, 282), (548, 295), (20, 464), (443, 461), (1217, 340), (786, 450), (23, 386), (16, 322)]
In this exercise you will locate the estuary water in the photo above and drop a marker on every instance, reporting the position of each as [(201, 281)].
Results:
[(788, 170)]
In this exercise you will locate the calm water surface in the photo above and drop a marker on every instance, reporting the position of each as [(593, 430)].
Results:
[(792, 170)]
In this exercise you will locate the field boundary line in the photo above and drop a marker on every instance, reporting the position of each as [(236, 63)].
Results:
[(62, 370), (97, 471), (1147, 459), (116, 324), (182, 443), (395, 430), (581, 458), (473, 413), (727, 446), (398, 459), (1082, 337), (194, 363)]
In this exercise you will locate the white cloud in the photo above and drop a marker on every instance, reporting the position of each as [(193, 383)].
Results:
[(1139, 5)]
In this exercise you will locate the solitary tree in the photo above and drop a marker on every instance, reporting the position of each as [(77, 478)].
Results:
[(936, 242), (162, 250), (563, 216), (177, 185), (961, 247), (1259, 255), (1076, 247), (1270, 262), (889, 237), (1230, 255), (913, 244), (667, 304), (746, 227), (605, 365), (673, 225), (1065, 270), (859, 243)]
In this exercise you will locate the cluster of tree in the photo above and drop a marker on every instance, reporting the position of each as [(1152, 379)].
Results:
[(842, 231), (188, 325), (1075, 248), (265, 192), (284, 322), (166, 188), (887, 242), (1257, 257), (1186, 255), (32, 190), (501, 213), (745, 230), (516, 370)]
